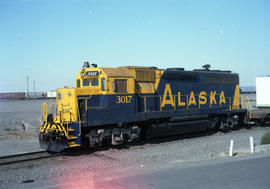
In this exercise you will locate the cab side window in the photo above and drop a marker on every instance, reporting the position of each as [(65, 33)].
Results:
[(120, 86), (85, 82), (94, 82), (78, 83), (103, 84)]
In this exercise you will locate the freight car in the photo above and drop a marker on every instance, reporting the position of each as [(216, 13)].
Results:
[(110, 106), (261, 114), (16, 95), (36, 95)]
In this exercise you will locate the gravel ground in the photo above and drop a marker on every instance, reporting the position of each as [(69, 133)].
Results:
[(99, 164), (20, 118), (18, 146)]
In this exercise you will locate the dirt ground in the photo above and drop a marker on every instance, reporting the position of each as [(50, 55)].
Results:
[(20, 118)]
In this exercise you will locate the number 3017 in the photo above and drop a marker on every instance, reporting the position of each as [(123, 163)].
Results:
[(123, 99)]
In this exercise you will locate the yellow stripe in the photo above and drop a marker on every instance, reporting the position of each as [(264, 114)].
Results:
[(236, 98)]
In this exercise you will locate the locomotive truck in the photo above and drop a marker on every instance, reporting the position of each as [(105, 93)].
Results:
[(111, 106)]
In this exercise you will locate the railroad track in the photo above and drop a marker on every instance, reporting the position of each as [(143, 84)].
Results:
[(4, 160)]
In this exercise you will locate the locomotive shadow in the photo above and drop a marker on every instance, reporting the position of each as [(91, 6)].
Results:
[(157, 140)]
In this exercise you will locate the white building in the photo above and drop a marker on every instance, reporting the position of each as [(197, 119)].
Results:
[(263, 92), (51, 94)]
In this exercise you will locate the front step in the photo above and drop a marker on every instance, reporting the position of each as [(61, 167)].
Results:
[(70, 129), (73, 144), (72, 137)]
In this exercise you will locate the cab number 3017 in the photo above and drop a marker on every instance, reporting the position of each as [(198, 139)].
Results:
[(123, 99)]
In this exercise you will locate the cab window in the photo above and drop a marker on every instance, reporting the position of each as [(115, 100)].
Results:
[(78, 83), (103, 85), (94, 82), (120, 86), (85, 82)]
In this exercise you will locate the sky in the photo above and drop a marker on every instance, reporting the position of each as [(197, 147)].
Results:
[(49, 40)]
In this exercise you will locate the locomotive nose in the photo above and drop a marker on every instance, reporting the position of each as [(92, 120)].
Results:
[(52, 139)]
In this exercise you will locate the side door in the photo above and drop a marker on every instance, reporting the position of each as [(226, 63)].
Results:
[(82, 105)]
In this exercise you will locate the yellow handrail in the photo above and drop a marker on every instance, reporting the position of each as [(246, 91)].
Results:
[(78, 112), (247, 104), (144, 104), (42, 117)]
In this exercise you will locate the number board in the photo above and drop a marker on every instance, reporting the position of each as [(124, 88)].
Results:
[(92, 73)]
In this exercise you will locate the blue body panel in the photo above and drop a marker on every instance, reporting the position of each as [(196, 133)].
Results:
[(106, 109)]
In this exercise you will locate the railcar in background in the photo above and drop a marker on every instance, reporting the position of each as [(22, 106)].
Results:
[(15, 95), (110, 106), (261, 114)]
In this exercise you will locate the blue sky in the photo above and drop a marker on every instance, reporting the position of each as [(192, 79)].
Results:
[(49, 40)]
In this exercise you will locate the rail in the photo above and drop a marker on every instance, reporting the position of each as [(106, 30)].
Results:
[(10, 159)]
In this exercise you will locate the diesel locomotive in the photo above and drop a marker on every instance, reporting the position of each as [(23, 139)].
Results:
[(111, 106)]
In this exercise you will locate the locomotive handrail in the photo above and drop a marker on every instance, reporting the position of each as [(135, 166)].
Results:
[(44, 112), (42, 117), (53, 109), (50, 101), (90, 96), (247, 106), (136, 90), (144, 100), (79, 116)]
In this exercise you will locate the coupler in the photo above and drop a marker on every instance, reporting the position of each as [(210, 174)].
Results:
[(53, 141)]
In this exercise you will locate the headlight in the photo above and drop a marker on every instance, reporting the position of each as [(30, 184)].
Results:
[(59, 96)]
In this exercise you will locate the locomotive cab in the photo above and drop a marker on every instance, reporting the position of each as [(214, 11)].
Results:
[(85, 105)]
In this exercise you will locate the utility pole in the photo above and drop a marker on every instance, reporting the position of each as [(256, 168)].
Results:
[(34, 86), (27, 87)]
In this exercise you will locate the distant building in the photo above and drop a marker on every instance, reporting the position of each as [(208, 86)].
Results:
[(51, 94), (15, 95), (35, 95), (248, 89), (263, 92)]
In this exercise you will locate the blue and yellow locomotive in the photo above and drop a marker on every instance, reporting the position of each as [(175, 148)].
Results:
[(110, 106)]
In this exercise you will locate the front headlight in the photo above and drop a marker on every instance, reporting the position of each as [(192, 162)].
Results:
[(59, 96)]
